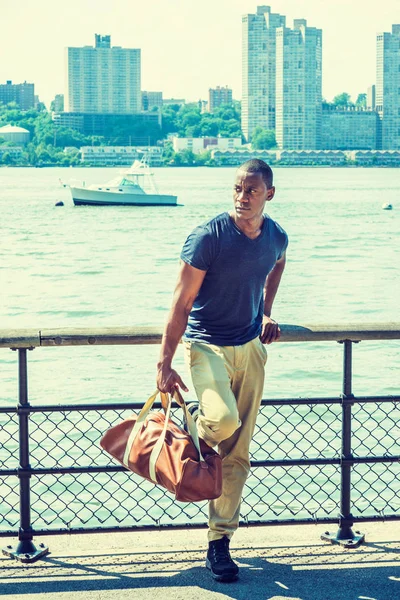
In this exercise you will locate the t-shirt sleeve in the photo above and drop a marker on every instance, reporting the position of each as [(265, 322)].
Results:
[(284, 246), (199, 249)]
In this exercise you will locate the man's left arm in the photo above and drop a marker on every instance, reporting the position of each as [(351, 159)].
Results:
[(270, 331)]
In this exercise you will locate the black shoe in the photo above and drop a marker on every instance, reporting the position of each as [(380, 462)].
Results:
[(219, 561)]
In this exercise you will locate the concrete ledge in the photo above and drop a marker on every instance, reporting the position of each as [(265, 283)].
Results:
[(288, 562)]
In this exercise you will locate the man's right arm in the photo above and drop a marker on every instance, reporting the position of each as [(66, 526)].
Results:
[(188, 285)]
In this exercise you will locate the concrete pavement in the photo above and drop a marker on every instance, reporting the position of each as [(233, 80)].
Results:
[(282, 562)]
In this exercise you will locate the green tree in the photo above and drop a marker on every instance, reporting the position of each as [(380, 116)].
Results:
[(44, 154), (361, 101), (177, 160), (6, 158), (326, 104), (232, 128), (187, 157), (263, 139), (64, 136), (95, 140), (228, 119), (209, 126), (203, 158), (169, 119), (9, 144), (343, 100), (188, 121), (168, 153), (30, 154), (192, 131)]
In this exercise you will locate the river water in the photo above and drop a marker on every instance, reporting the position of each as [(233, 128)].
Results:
[(116, 266)]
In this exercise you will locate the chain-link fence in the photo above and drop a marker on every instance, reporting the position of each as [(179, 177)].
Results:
[(55, 478)]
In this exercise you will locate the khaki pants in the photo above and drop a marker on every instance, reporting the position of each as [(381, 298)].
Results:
[(229, 382)]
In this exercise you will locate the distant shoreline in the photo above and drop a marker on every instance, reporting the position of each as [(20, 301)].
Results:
[(274, 165)]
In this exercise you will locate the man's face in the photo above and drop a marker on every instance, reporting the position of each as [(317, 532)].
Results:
[(250, 194)]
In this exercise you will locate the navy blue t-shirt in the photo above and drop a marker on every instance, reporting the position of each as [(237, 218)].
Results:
[(228, 309)]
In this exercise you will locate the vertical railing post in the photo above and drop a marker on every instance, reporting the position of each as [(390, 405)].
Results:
[(345, 536), (25, 551)]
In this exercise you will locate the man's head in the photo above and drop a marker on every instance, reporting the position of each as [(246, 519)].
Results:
[(252, 189), (255, 165)]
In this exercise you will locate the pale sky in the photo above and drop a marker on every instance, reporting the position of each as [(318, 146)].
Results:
[(187, 46)]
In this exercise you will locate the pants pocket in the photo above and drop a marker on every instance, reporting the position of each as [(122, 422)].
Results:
[(263, 351), (187, 349)]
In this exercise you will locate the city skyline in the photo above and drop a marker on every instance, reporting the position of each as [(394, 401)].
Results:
[(185, 50)]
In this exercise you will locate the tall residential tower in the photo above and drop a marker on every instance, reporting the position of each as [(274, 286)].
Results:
[(103, 79), (218, 96), (22, 94), (388, 89), (258, 69), (298, 87)]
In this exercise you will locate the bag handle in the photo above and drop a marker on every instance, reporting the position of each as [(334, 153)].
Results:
[(164, 401), (191, 425), (155, 453), (139, 422)]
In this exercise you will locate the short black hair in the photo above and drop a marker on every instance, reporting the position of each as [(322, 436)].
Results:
[(255, 165)]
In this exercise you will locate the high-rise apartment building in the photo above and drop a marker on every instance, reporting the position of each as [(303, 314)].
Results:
[(102, 79), (371, 93), (22, 94), (348, 129), (388, 88), (151, 100), (58, 103), (298, 86), (218, 96), (258, 69)]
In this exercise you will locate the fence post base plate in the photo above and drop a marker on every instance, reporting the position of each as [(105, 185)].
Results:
[(26, 551), (351, 540)]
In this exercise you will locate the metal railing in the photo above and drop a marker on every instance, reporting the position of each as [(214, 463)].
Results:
[(307, 463)]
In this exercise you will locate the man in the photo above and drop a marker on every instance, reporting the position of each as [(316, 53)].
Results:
[(230, 273)]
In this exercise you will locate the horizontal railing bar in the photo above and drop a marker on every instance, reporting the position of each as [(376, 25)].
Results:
[(179, 526), (29, 338), (324, 461), (60, 470), (371, 459), (284, 462), (19, 338), (157, 405), (88, 407), (138, 405), (300, 401), (377, 399), (160, 527), (328, 400)]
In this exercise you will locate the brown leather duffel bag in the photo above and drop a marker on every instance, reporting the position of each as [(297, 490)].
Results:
[(151, 445)]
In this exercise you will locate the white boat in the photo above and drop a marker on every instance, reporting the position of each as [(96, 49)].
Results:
[(387, 206), (132, 187)]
